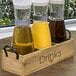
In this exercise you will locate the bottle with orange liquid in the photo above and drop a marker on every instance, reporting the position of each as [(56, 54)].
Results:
[(40, 29), (22, 36)]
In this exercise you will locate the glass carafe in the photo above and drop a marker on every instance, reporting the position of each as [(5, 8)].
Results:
[(57, 26), (22, 37), (40, 28)]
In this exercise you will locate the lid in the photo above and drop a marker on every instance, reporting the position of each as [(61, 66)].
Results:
[(40, 2), (57, 1), (22, 4)]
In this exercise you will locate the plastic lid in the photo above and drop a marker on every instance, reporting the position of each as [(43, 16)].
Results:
[(40, 2), (22, 4), (57, 1)]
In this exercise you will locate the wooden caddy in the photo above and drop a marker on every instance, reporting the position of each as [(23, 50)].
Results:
[(38, 60)]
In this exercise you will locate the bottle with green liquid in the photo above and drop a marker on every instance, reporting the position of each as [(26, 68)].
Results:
[(22, 37)]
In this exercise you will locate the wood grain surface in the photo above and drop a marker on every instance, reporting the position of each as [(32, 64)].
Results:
[(65, 68)]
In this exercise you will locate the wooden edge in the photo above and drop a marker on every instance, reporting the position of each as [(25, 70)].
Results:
[(22, 57)]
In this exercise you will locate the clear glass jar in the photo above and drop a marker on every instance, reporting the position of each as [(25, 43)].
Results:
[(40, 28), (56, 25), (22, 37)]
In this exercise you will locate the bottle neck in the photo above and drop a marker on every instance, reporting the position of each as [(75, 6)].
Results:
[(56, 11), (22, 17)]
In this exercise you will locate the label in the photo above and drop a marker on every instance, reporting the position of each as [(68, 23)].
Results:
[(50, 57)]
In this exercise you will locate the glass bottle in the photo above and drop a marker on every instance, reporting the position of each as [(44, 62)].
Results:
[(40, 28), (56, 25), (22, 37)]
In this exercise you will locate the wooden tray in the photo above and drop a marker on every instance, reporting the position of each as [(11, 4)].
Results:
[(40, 59)]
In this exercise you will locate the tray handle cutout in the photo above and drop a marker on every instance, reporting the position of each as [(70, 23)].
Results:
[(8, 48)]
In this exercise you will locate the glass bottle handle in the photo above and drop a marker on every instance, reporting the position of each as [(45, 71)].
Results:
[(69, 34)]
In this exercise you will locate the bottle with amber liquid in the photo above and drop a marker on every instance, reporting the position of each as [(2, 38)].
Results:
[(22, 36), (40, 29), (56, 24)]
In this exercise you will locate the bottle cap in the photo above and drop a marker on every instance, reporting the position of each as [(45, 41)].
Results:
[(40, 2), (22, 4), (57, 1)]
